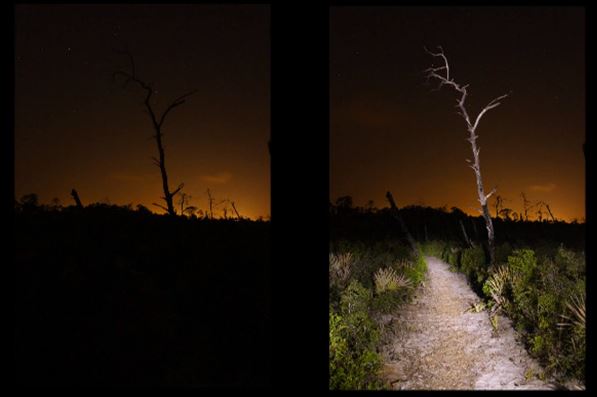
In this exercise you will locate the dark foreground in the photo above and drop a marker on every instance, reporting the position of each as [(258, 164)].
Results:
[(110, 296)]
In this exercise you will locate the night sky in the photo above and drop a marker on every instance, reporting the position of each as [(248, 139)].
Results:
[(390, 131), (76, 128)]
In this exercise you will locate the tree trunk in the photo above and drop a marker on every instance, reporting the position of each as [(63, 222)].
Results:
[(553, 219), (162, 165), (235, 211), (396, 213), (76, 198), (468, 240), (482, 197)]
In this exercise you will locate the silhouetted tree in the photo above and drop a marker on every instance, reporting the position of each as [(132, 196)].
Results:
[(499, 204), (344, 202), (143, 209), (185, 199), (396, 214), (471, 127), (56, 204), (76, 198), (466, 238), (506, 213), (549, 211), (28, 202), (157, 123), (210, 203), (235, 211)]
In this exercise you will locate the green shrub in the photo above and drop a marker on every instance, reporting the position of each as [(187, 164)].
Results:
[(355, 298), (417, 271), (434, 248), (387, 301), (571, 264), (453, 258), (354, 362), (523, 263), (472, 264), (352, 367)]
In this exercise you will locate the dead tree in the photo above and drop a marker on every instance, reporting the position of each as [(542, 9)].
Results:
[(397, 216), (235, 211), (76, 198), (506, 213), (474, 222), (526, 206), (185, 199), (211, 201), (466, 238), (553, 219), (157, 123), (541, 204), (499, 205), (445, 79)]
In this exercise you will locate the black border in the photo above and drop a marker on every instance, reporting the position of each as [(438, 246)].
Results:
[(300, 172)]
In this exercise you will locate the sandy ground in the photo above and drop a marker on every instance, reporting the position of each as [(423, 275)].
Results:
[(434, 343)]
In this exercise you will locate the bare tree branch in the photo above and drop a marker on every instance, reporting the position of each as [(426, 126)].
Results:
[(487, 196), (493, 104), (177, 102), (156, 162), (161, 206), (177, 189)]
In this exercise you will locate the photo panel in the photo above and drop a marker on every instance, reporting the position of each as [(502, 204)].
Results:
[(142, 195), (452, 267)]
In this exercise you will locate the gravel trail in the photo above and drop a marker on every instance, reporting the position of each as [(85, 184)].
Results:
[(437, 343)]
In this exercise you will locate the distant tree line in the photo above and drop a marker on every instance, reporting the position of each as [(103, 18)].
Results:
[(425, 224), (30, 203)]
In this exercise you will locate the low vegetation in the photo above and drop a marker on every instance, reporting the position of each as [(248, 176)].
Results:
[(541, 290), (106, 295), (366, 281)]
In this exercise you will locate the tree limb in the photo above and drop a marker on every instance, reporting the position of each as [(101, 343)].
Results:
[(493, 104), (177, 102), (156, 162), (161, 206), (177, 189)]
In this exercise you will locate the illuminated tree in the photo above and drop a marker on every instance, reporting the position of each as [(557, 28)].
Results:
[(157, 123), (442, 73)]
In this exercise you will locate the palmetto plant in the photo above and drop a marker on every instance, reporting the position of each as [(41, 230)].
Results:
[(403, 264), (576, 314), (495, 286), (386, 279)]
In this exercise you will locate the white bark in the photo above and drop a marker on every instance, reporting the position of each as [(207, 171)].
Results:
[(475, 165)]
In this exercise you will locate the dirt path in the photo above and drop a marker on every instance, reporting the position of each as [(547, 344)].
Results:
[(434, 343)]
